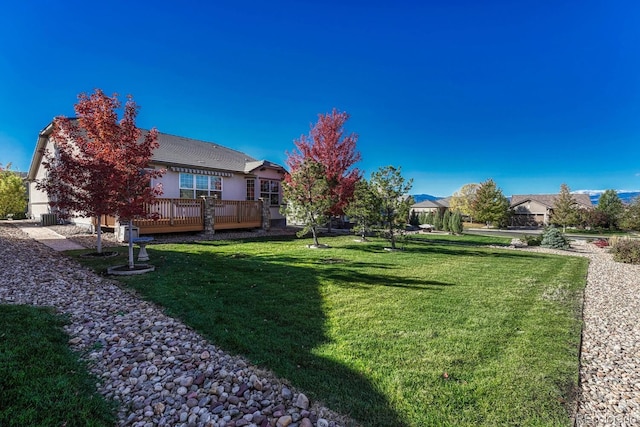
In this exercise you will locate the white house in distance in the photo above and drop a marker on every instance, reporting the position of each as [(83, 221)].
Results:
[(193, 169)]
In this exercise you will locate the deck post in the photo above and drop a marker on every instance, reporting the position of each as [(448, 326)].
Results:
[(209, 215), (266, 215)]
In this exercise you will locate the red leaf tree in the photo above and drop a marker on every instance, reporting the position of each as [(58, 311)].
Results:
[(328, 145), (98, 167)]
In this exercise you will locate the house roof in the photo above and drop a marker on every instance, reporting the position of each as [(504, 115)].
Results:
[(446, 201), (549, 200), (439, 203), (180, 151)]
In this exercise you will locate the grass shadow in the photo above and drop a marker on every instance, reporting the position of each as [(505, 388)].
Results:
[(268, 310)]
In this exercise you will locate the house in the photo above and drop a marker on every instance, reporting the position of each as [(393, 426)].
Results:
[(537, 209), (193, 169), (427, 206)]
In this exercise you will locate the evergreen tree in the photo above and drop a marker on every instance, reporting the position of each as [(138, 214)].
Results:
[(437, 220), (490, 205), (423, 218), (431, 219), (446, 219), (456, 223), (413, 219), (554, 239), (565, 209), (611, 205)]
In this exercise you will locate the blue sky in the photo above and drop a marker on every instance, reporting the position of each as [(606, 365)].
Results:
[(531, 94)]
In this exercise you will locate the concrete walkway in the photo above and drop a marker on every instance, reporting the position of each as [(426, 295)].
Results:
[(48, 237)]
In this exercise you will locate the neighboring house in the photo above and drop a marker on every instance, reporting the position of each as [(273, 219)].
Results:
[(193, 168), (427, 206), (537, 209)]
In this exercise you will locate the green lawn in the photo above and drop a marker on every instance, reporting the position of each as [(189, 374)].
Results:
[(42, 383), (446, 332)]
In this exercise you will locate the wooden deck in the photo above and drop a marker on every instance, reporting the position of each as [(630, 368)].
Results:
[(230, 214), (179, 215), (174, 215)]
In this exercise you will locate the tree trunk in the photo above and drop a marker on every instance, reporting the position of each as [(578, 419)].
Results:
[(392, 237), (315, 236), (99, 234), (131, 263)]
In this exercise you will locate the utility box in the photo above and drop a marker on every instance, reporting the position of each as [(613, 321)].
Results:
[(49, 219), (123, 233)]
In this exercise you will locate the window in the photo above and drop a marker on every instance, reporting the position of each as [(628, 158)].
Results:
[(192, 186), (251, 189), (270, 190)]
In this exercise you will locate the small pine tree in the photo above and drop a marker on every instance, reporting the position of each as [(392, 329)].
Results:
[(455, 224), (413, 219), (430, 218), (423, 218), (446, 221), (554, 239), (437, 221)]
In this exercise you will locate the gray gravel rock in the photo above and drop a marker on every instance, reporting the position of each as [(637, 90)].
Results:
[(609, 392), (163, 373), (158, 369)]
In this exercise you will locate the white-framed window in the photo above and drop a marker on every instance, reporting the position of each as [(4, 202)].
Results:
[(270, 190), (193, 186), (251, 189)]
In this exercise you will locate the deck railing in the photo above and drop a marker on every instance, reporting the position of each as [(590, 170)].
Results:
[(175, 215), (237, 214), (172, 215)]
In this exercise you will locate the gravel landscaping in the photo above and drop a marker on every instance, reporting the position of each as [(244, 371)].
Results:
[(163, 373), (609, 392)]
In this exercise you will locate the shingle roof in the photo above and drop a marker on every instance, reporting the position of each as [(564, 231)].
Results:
[(178, 150), (430, 204), (446, 201), (549, 200)]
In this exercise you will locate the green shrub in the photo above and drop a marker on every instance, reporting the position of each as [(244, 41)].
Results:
[(430, 218), (554, 239), (626, 250), (437, 221), (532, 240), (414, 219), (446, 221), (423, 218), (455, 223)]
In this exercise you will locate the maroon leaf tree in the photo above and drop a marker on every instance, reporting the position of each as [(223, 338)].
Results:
[(98, 167), (328, 145)]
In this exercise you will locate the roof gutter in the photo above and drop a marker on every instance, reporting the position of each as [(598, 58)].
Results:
[(36, 159)]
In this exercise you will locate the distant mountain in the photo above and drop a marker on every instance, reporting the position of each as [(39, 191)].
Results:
[(422, 197), (626, 196)]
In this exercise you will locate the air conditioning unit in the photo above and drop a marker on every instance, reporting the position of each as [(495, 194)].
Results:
[(49, 219)]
